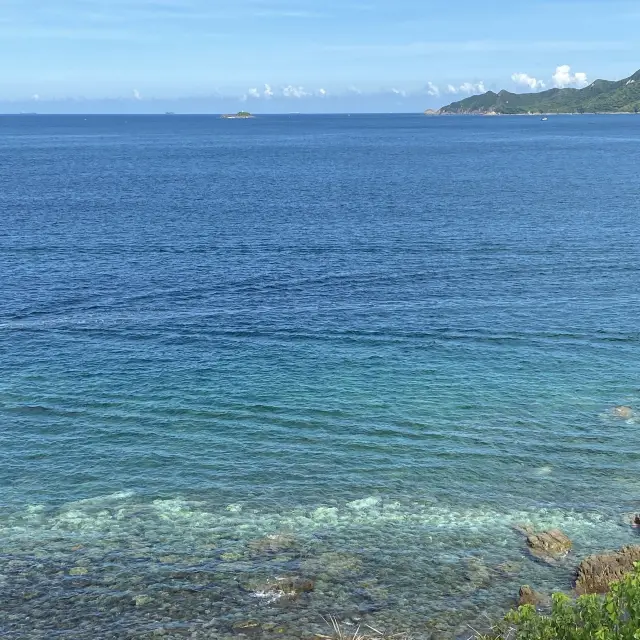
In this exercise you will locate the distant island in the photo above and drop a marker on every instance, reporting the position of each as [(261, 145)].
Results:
[(602, 96), (235, 116)]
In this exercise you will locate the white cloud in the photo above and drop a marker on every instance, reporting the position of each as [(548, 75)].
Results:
[(294, 92), (467, 88), (35, 97), (321, 92), (526, 80), (136, 95), (432, 90), (255, 94), (563, 78), (399, 92)]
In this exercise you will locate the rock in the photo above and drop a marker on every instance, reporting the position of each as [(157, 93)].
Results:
[(332, 564), (290, 587), (272, 544), (549, 546), (596, 573), (295, 586), (246, 627), (530, 596), (523, 529), (636, 520), (477, 574), (141, 600), (509, 569), (622, 412)]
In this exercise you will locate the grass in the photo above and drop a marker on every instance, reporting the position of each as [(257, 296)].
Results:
[(365, 632)]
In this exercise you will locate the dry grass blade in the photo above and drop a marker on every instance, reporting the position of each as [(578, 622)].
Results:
[(339, 633)]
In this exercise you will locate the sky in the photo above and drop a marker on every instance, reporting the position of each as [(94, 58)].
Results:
[(290, 56)]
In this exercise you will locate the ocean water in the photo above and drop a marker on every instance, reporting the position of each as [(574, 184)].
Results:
[(355, 350)]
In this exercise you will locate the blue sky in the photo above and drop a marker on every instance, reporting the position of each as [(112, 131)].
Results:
[(302, 55)]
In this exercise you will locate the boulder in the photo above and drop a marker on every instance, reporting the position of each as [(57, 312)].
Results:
[(631, 519), (548, 546), (530, 596), (596, 573), (622, 412)]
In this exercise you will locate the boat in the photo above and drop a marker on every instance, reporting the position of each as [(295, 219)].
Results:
[(544, 119)]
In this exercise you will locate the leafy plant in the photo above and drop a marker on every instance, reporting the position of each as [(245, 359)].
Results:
[(616, 616)]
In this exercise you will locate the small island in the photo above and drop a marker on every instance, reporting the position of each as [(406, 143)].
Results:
[(241, 115)]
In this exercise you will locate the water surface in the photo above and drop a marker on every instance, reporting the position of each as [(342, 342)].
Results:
[(384, 339)]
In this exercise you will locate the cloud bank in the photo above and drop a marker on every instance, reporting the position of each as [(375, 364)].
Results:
[(563, 78)]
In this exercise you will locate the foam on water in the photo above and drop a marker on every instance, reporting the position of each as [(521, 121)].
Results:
[(393, 564)]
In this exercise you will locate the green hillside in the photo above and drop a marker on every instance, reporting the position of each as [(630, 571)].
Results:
[(602, 96)]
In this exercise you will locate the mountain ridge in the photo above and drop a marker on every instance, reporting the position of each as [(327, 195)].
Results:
[(601, 96)]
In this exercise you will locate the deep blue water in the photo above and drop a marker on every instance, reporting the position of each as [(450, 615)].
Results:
[(386, 338)]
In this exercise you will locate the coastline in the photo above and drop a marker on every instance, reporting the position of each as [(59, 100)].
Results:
[(533, 115)]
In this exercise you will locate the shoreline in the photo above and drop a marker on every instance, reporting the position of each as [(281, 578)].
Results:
[(533, 115)]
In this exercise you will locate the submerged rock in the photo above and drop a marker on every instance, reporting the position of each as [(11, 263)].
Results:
[(596, 573), (290, 587), (509, 569), (631, 519), (141, 600), (275, 543), (332, 564), (477, 574), (246, 627), (548, 546), (530, 596), (622, 412)]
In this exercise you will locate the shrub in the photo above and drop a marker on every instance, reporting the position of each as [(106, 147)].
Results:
[(616, 616)]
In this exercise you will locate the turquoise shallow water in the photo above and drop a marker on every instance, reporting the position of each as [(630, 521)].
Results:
[(383, 340)]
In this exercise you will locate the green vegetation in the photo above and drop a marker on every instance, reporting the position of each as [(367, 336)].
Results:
[(602, 96), (615, 616), (240, 114)]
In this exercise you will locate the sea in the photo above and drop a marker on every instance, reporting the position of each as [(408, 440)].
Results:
[(259, 375)]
